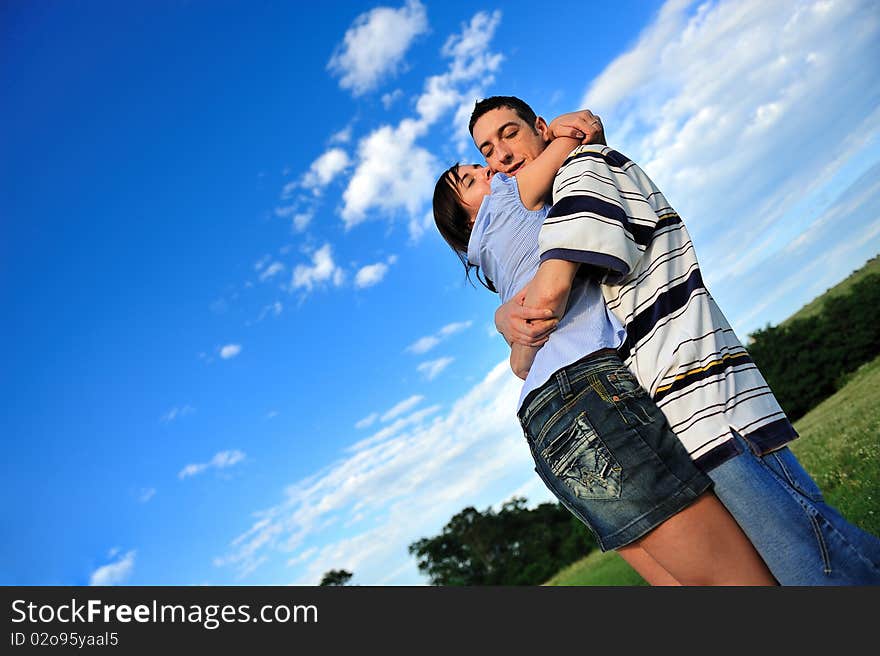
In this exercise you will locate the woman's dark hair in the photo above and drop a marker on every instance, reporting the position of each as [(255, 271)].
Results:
[(453, 221)]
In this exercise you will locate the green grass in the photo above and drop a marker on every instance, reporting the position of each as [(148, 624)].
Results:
[(814, 307), (839, 446), (598, 569)]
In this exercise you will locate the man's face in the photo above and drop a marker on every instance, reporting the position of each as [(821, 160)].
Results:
[(507, 142)]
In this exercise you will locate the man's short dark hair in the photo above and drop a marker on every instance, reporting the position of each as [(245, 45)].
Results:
[(521, 108)]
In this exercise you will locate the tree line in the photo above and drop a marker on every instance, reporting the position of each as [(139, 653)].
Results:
[(809, 359), (514, 546)]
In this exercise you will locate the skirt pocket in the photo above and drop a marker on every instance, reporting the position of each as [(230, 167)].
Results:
[(579, 459)]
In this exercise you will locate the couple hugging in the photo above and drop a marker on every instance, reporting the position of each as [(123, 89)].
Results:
[(643, 412)]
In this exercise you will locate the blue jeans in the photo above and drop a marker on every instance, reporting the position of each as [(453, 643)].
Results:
[(803, 540)]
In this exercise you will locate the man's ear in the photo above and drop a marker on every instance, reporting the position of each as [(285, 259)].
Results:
[(543, 129)]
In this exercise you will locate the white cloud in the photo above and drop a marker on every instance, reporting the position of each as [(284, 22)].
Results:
[(302, 220), (114, 573), (452, 328), (146, 494), (263, 261), (271, 270), (395, 427), (744, 112), (230, 351), (191, 470), (343, 136), (432, 368), (367, 421), (389, 99), (299, 218), (394, 174), (303, 557), (227, 459), (322, 270), (425, 344), (395, 490), (324, 169), (273, 308), (288, 189), (372, 274), (403, 406), (176, 412), (374, 46), (418, 227), (221, 460)]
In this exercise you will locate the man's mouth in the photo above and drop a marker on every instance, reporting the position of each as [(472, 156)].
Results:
[(513, 169)]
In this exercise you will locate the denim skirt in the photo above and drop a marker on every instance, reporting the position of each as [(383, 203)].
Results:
[(605, 450)]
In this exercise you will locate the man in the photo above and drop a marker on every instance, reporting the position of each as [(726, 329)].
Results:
[(609, 216)]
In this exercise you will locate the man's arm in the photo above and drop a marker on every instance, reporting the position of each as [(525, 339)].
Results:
[(551, 286)]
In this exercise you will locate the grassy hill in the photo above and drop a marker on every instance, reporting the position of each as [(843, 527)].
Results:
[(815, 306), (839, 446)]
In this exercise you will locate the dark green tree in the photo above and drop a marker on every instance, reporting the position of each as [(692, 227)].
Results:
[(336, 577), (514, 546), (809, 359)]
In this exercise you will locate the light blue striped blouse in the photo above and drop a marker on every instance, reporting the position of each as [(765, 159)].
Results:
[(504, 244)]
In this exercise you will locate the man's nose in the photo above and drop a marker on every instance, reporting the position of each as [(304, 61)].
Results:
[(503, 153)]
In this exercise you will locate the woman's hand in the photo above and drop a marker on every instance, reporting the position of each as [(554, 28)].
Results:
[(583, 125), (524, 325), (521, 359)]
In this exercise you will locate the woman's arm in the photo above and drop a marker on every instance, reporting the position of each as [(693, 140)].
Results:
[(535, 180), (521, 359)]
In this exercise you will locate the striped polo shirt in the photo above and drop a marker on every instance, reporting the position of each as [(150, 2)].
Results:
[(504, 244), (607, 213)]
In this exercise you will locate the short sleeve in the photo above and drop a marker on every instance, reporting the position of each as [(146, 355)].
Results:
[(600, 216)]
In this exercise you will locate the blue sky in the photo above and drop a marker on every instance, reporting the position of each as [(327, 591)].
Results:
[(238, 353)]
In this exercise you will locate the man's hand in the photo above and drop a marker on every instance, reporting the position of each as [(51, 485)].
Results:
[(524, 325), (583, 125)]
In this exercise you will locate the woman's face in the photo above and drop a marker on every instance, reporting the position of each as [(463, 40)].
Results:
[(473, 186)]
